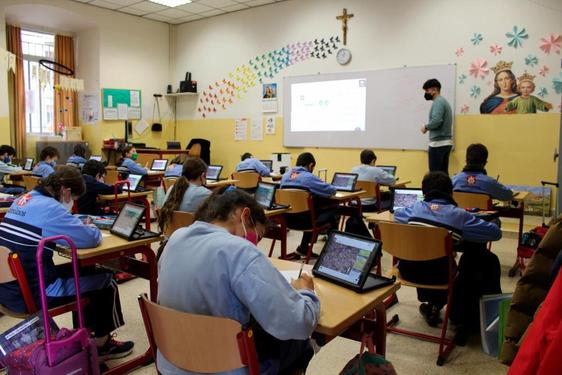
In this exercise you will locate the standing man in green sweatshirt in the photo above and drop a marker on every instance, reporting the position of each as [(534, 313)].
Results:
[(439, 127)]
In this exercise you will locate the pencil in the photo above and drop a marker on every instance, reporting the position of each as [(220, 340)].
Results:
[(302, 265)]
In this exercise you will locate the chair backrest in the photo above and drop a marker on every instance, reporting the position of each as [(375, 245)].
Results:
[(297, 200), (112, 176), (371, 189), (12, 270), (246, 180), (180, 219), (6, 274), (169, 182), (198, 343), (30, 182), (195, 151), (472, 200), (415, 242)]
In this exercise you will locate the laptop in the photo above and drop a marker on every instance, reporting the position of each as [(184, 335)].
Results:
[(405, 197), (134, 181), (213, 172), (391, 169), (173, 145), (159, 165), (265, 195), (345, 181), (347, 259), (126, 225), (268, 164), (95, 157), (28, 165)]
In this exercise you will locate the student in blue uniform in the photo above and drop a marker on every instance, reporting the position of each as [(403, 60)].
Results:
[(6, 166), (301, 177), (368, 171), (228, 276), (188, 192), (79, 156), (473, 178), (44, 212), (471, 235), (249, 163), (47, 162), (94, 178), (175, 168), (128, 160)]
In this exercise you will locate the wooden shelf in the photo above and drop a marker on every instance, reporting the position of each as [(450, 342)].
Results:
[(182, 94)]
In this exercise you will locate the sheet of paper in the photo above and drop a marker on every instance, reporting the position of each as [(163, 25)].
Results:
[(110, 114), (134, 113), (269, 105), (269, 125), (290, 275), (141, 126), (110, 101), (105, 233), (90, 108), (122, 111), (257, 130), (240, 129), (135, 99)]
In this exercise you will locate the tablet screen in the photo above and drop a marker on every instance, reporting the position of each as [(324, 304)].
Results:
[(128, 219)]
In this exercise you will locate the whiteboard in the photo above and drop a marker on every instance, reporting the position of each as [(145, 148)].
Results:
[(395, 109)]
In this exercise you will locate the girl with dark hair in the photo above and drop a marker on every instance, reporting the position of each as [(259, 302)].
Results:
[(188, 192), (227, 276), (44, 212), (128, 160)]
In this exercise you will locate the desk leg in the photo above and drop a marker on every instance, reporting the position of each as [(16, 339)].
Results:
[(380, 329)]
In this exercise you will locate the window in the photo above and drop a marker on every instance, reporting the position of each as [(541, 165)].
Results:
[(39, 82)]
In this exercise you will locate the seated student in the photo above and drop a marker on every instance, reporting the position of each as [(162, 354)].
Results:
[(94, 178), (47, 162), (6, 166), (473, 178), (239, 283), (188, 192), (44, 212), (367, 171), (249, 163), (128, 157), (439, 209), (301, 177), (175, 168), (79, 156)]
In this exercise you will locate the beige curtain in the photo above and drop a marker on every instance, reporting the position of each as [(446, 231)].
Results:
[(66, 107), (17, 90)]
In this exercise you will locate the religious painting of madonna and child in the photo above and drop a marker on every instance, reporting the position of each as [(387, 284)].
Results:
[(512, 94)]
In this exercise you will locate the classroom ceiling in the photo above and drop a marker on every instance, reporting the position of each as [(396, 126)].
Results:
[(193, 11)]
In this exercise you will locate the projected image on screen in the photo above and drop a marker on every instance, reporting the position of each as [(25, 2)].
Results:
[(329, 105)]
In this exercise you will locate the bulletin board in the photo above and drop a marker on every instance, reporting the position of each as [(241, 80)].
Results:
[(121, 104)]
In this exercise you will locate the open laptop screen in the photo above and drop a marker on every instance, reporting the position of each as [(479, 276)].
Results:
[(95, 157), (128, 219), (391, 169), (134, 180), (268, 164), (28, 164), (264, 194), (406, 197), (344, 257), (159, 165), (213, 172), (344, 181)]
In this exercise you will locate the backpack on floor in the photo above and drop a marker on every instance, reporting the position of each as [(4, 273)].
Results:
[(368, 364)]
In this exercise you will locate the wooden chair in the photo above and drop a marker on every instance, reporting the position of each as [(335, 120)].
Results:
[(195, 151), (473, 200), (301, 201), (198, 343), (168, 182), (30, 182), (246, 180), (179, 220), (372, 190), (112, 176), (421, 243)]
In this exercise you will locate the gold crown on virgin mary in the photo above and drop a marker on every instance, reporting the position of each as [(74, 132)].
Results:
[(502, 66), (526, 77)]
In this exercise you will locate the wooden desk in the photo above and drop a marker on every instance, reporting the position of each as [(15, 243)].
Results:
[(161, 153), (113, 247), (16, 177), (140, 196), (520, 196), (377, 217), (517, 212), (271, 180), (400, 184), (341, 308), (220, 183), (346, 195)]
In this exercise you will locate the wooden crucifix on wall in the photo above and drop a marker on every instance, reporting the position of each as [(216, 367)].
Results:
[(344, 17)]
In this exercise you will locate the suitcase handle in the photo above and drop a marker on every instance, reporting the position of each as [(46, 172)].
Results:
[(44, 306)]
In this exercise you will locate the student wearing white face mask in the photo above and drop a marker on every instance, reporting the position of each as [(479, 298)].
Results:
[(47, 162), (44, 212)]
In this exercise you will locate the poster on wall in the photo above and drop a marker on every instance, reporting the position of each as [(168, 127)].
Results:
[(269, 125), (89, 108), (256, 132), (240, 129), (269, 97)]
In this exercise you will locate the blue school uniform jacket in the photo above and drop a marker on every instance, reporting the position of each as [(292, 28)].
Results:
[(253, 164), (133, 167), (300, 177), (75, 159), (87, 203), (174, 171), (31, 217), (480, 182), (219, 274), (43, 169)]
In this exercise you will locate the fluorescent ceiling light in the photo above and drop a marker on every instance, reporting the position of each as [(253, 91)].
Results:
[(171, 3)]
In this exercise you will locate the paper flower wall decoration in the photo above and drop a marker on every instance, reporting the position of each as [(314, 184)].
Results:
[(551, 42), (531, 60), (516, 37), (459, 52), (543, 71), (542, 92), (557, 84), (462, 77), (476, 39), (479, 68), (496, 49), (465, 109), (475, 91)]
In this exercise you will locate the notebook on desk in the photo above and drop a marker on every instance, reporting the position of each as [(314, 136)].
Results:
[(95, 157), (405, 197), (347, 260), (213, 172), (390, 169), (345, 181), (159, 165), (265, 196), (126, 225)]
